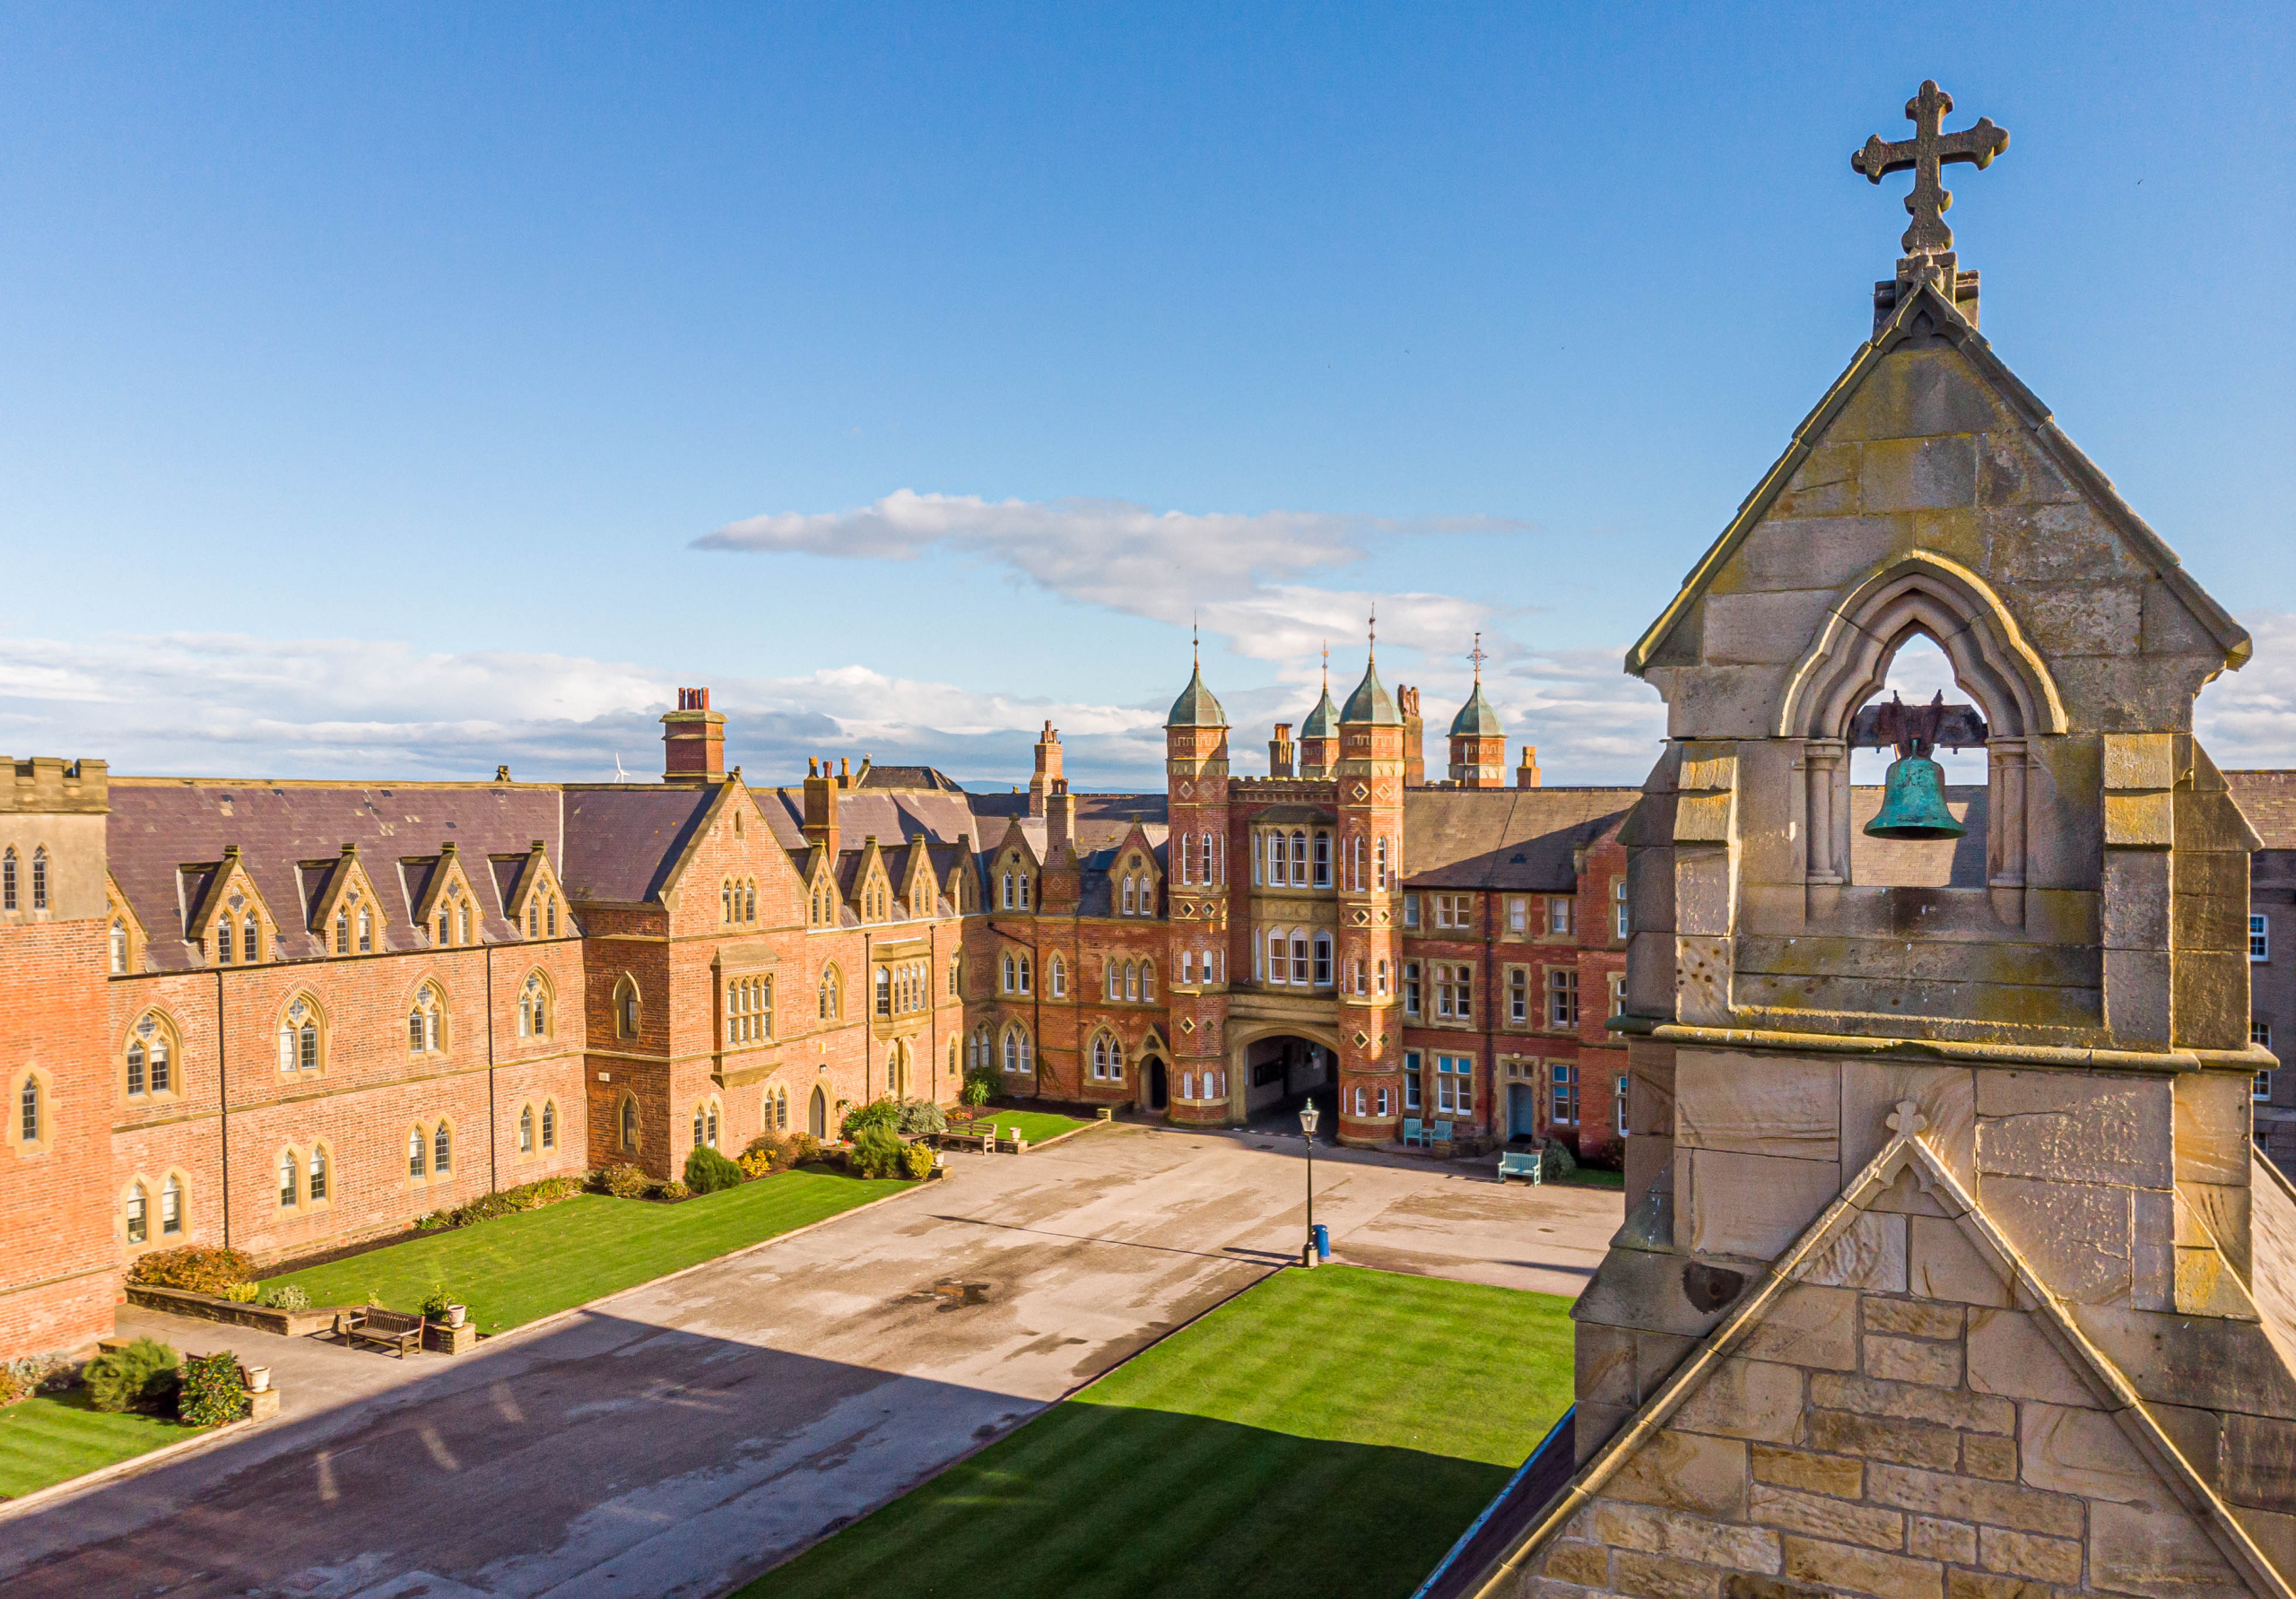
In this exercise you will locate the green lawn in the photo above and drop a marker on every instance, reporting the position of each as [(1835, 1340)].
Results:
[(53, 1437), (1035, 1125), (1328, 1431), (516, 1269), (1592, 1177)]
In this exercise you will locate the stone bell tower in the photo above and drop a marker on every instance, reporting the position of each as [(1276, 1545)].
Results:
[(1948, 1269)]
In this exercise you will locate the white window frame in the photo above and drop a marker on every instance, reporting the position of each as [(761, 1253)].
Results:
[(2259, 936)]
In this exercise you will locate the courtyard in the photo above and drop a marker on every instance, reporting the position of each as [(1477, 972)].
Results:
[(686, 1434)]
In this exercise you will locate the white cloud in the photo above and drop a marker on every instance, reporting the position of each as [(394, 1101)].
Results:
[(2247, 718), (1236, 569)]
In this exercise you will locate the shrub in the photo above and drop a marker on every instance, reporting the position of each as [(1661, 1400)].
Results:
[(877, 1114), (213, 1390), (707, 1172), (1556, 1160), (981, 1085), (141, 1376), (288, 1296), (625, 1181), (916, 1159), (804, 1149), (507, 1202), (244, 1293), (197, 1267), (767, 1154), (27, 1374), (877, 1152), (436, 1303), (673, 1191), (922, 1115)]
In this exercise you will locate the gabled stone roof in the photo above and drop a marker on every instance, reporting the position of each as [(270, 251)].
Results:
[(1524, 838)]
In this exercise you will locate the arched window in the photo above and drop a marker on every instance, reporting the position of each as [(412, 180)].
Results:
[(626, 1011), (699, 1137), (290, 1185), (526, 1129), (1379, 862), (150, 1060), (31, 1111), (317, 1185), (299, 1036), (343, 933), (534, 1007), (426, 1032), (781, 1110), (417, 1151), (442, 1150), (366, 932), (1299, 859), (1127, 896), (1323, 959), (1017, 1050), (223, 941), (251, 946), (884, 991), (1300, 959), (1279, 962), (118, 947), (138, 1220), (1131, 980), (1383, 976), (445, 928), (461, 925), (550, 1123), (1112, 984), (8, 879), (1006, 902), (817, 1113), (1027, 975), (828, 999), (749, 901), (534, 917), (39, 878), (629, 1121), (1359, 1101), (171, 1207), (550, 918), (726, 900), (1148, 980)]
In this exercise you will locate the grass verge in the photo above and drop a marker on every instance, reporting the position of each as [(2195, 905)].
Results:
[(52, 1438), (1328, 1431), (1035, 1125), (518, 1269)]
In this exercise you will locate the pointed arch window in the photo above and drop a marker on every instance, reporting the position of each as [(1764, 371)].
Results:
[(342, 932), (726, 902), (299, 1038), (290, 1185), (426, 1032), (830, 1004), (251, 940), (418, 1153), (39, 877), (627, 1012), (1148, 980), (526, 1129), (171, 1207), (31, 1111), (138, 1205), (550, 916), (629, 1121), (151, 1064), (534, 1007), (442, 1150), (884, 991), (1056, 973), (1016, 1048), (366, 931), (550, 1123), (223, 942), (534, 916), (1127, 896), (1131, 980), (118, 947), (8, 879)]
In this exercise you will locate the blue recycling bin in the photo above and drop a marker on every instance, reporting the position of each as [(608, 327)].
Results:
[(1323, 1242)]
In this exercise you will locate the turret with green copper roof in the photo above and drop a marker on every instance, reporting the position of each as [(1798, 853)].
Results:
[(1371, 703), (1478, 738), (1320, 733), (1195, 707)]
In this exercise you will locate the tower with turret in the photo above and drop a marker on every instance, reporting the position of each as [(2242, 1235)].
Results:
[(1369, 782), (1478, 738), (1195, 778)]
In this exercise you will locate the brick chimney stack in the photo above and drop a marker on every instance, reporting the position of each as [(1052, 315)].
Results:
[(1415, 738), (1279, 751), (693, 739), (1059, 822), (821, 808), (1048, 774), (1526, 776)]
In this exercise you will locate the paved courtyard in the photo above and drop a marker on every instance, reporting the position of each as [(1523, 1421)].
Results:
[(684, 1435)]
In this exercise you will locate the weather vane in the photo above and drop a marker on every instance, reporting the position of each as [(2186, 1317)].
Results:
[(1478, 657), (1930, 149)]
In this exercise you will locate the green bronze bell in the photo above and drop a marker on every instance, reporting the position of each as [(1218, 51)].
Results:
[(1913, 803)]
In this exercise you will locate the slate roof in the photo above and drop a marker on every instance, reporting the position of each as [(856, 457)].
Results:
[(910, 777), (622, 840), (2268, 800), (1506, 837), (159, 826)]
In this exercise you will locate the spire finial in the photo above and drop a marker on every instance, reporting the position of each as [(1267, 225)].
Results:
[(1326, 666), (1373, 627), (1196, 641), (1478, 657)]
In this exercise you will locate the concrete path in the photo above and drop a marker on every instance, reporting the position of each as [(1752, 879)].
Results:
[(684, 1435)]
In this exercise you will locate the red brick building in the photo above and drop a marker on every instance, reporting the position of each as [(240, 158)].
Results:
[(291, 1015)]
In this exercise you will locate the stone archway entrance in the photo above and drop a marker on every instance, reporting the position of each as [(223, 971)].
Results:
[(1281, 1072), (1158, 1089), (817, 1113)]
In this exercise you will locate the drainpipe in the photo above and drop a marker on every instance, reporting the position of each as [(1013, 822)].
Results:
[(493, 1131), (868, 1011), (224, 1106)]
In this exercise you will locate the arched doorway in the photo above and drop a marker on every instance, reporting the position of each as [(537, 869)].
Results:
[(1160, 1085), (897, 1071), (817, 1114), (1282, 1072)]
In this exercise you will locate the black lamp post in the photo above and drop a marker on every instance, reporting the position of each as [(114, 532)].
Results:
[(1307, 1132)]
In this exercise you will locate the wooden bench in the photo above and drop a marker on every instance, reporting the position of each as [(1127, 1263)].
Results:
[(401, 1330), (1529, 1163)]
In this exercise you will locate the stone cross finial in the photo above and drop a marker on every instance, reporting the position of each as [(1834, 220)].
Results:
[(1478, 657), (1906, 1119), (1929, 149)]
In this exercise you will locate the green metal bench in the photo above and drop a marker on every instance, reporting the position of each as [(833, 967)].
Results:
[(1529, 1163)]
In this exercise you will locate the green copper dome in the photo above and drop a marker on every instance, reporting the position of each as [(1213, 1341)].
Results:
[(1370, 701), (1477, 719), (1323, 722), (1195, 707)]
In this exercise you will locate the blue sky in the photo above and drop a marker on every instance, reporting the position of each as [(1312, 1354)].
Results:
[(375, 373)]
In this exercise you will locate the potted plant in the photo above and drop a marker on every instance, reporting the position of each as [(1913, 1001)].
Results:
[(454, 1315), (258, 1378), (438, 1307)]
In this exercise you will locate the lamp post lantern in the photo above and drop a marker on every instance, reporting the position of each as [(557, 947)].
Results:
[(1307, 1132)]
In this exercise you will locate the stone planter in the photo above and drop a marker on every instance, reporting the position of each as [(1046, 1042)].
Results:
[(261, 1319)]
